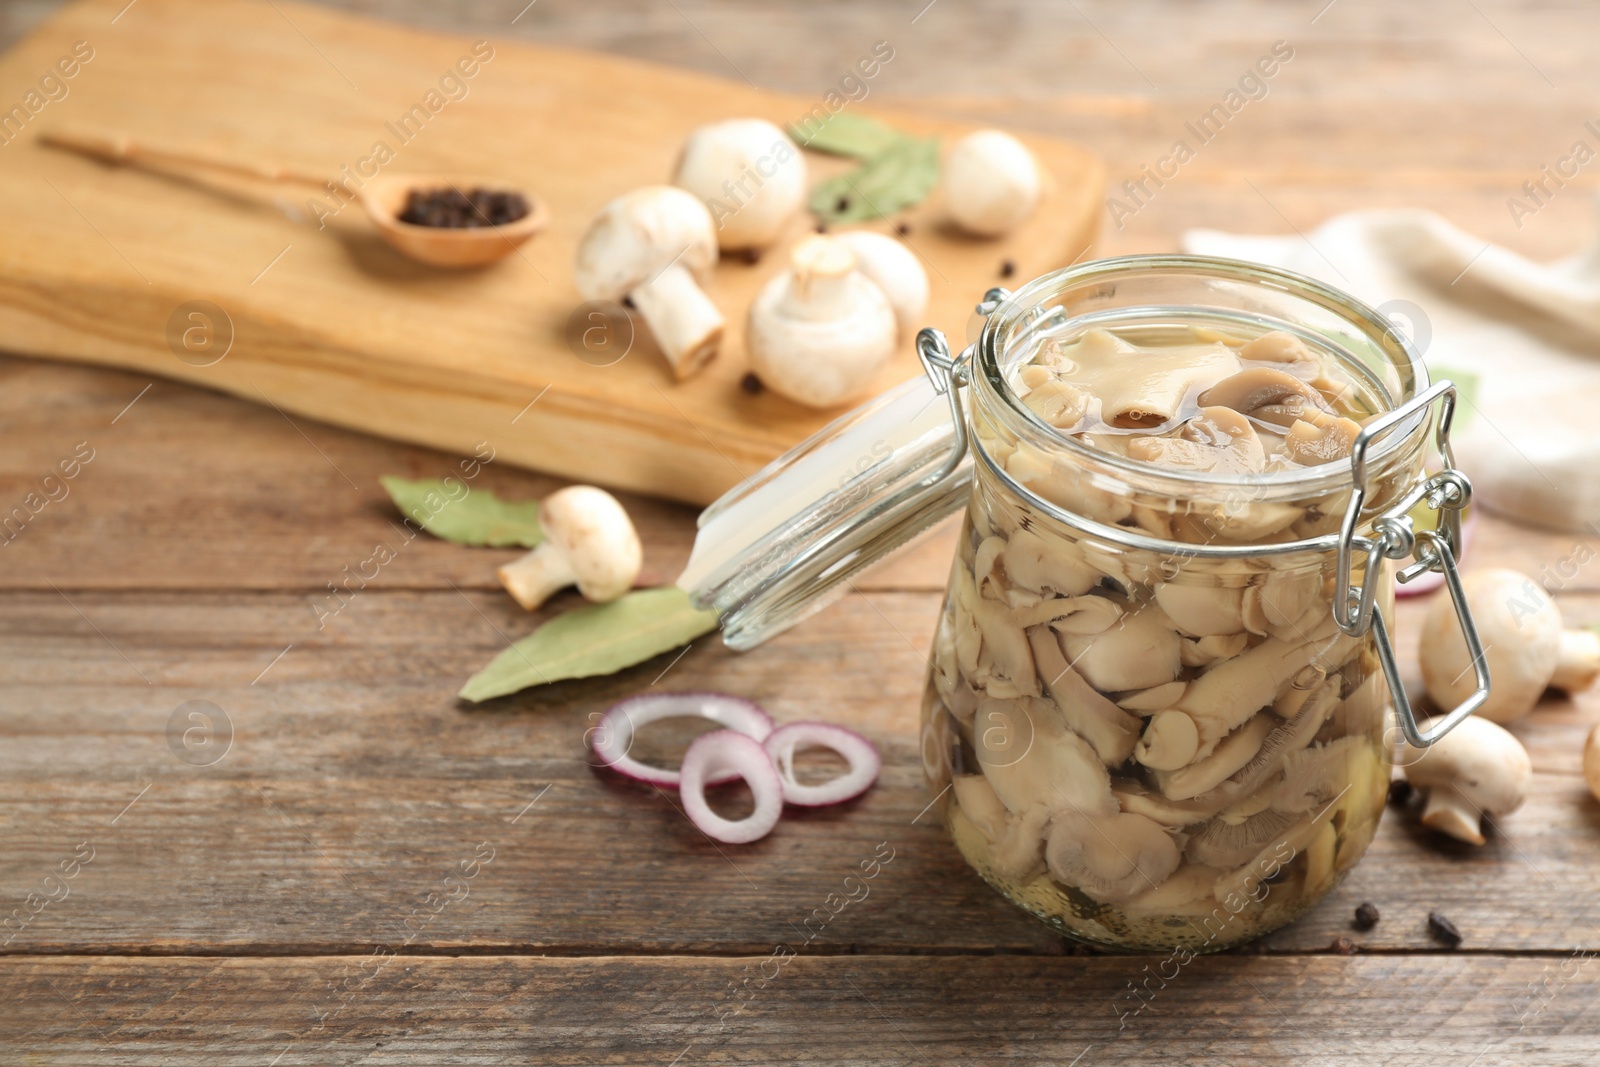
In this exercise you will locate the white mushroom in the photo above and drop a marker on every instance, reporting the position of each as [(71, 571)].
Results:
[(1474, 770), (991, 183), (655, 246), (896, 270), (1033, 761), (1109, 857), (749, 174), (589, 542), (1111, 731), (821, 331), (1524, 645), (1140, 652), (1201, 610), (1591, 762)]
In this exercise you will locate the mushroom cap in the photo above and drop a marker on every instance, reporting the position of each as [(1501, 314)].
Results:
[(727, 165), (820, 332), (1520, 627), (991, 183), (1110, 857), (1591, 762), (638, 235), (594, 534), (1480, 760), (896, 270)]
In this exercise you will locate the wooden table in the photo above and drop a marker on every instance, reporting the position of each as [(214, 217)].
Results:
[(287, 901)]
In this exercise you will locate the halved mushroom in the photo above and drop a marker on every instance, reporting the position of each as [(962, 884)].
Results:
[(1111, 731), (1110, 857), (1219, 440), (1141, 651)]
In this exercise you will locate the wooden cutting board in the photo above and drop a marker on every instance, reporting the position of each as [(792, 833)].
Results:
[(104, 264)]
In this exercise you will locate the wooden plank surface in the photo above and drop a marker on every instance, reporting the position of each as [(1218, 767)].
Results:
[(98, 262), (227, 905)]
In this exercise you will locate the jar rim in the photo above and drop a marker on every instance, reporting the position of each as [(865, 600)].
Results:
[(1328, 477)]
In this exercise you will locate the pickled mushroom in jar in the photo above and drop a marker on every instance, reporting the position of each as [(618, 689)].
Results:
[(1207, 403)]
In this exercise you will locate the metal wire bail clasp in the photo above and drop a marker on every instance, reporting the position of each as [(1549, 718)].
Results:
[(1393, 537), (948, 374)]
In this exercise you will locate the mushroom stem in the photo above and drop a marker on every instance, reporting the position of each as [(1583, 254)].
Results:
[(683, 320), (1578, 663), (1450, 812), (534, 578)]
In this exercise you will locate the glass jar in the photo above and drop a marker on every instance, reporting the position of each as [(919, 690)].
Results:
[(1160, 704)]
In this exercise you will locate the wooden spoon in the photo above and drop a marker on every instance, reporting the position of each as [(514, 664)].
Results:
[(382, 197)]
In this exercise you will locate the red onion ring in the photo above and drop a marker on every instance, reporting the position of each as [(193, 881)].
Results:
[(612, 737), (725, 751), (858, 752)]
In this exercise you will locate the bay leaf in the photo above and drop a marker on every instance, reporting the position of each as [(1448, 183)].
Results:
[(899, 177), (476, 518), (847, 134), (593, 640)]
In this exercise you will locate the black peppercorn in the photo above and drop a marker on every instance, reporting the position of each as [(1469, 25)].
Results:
[(750, 384), (902, 229), (1007, 268), (450, 208), (1367, 916), (1445, 930), (1399, 792)]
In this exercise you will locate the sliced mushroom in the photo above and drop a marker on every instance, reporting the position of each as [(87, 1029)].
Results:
[(1032, 760), (1279, 346), (1228, 844), (1141, 651), (1111, 731), (1073, 614), (1264, 393), (1111, 857), (1170, 741), (1156, 698), (1145, 387), (1231, 754), (1052, 565), (1005, 662), (1219, 440), (1208, 650), (1230, 692), (1324, 441), (1186, 892), (1058, 403), (977, 800), (1201, 610)]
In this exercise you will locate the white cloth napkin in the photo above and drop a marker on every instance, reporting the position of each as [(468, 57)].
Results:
[(1529, 331)]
